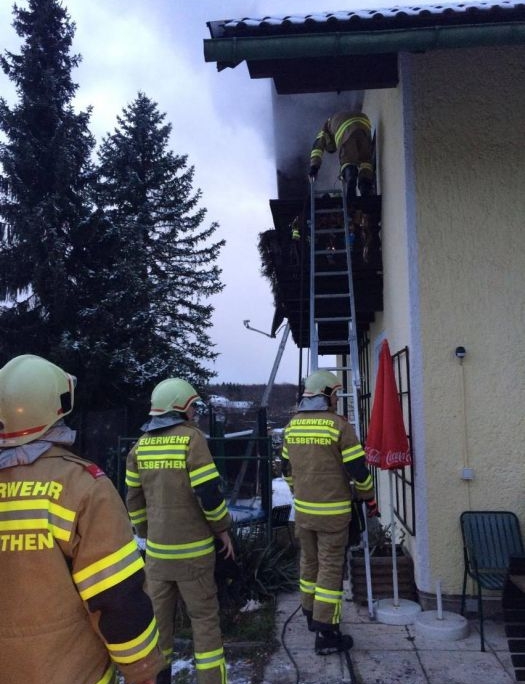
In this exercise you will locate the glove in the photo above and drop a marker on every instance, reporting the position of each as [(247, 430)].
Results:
[(313, 172), (372, 509)]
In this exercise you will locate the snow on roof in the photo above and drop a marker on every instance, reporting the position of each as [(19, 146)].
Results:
[(396, 15)]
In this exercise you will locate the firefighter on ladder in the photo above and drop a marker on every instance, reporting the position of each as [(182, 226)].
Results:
[(175, 503), (73, 604), (321, 454), (348, 133)]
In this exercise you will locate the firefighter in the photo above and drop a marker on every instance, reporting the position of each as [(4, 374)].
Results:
[(72, 600), (321, 455), (348, 133), (175, 503)]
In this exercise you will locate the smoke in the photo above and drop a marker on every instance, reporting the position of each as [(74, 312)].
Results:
[(297, 120)]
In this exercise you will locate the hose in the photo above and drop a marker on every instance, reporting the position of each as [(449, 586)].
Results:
[(353, 677), (288, 653)]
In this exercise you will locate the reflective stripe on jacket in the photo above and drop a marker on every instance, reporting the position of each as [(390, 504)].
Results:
[(336, 131), (66, 545), (321, 454), (174, 500)]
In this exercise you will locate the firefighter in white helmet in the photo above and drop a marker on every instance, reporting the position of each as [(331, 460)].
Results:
[(175, 503), (321, 455), (66, 546)]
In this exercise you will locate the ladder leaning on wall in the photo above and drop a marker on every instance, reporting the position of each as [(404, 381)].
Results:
[(333, 327), (333, 321)]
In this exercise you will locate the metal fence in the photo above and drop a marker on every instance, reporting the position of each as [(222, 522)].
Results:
[(244, 462)]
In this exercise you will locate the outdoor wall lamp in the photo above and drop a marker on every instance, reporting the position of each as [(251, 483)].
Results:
[(460, 353)]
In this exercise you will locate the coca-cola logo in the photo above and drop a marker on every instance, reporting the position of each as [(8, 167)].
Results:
[(373, 456), (392, 459), (397, 457)]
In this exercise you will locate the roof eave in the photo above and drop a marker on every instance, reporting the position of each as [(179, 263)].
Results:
[(229, 52)]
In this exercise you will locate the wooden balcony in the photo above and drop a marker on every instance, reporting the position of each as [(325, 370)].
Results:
[(286, 262)]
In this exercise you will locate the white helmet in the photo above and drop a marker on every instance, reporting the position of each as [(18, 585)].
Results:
[(321, 382), (34, 395), (173, 394)]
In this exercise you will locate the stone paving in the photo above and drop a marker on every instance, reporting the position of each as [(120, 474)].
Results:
[(386, 654)]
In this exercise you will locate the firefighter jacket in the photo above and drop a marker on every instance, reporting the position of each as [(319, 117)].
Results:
[(174, 500), (71, 596), (321, 455), (338, 133)]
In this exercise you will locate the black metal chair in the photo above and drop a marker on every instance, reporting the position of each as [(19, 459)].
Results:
[(490, 538)]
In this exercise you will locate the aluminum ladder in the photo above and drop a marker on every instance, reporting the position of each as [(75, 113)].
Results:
[(332, 321)]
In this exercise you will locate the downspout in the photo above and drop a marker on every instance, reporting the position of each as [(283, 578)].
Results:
[(229, 52)]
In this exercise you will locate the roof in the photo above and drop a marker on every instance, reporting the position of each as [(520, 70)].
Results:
[(356, 49), (453, 13)]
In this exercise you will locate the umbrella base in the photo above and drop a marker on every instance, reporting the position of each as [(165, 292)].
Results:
[(448, 627), (405, 613)]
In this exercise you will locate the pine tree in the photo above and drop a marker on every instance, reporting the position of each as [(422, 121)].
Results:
[(146, 191), (44, 162)]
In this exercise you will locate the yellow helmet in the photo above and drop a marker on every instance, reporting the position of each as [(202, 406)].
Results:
[(321, 382), (173, 394), (34, 395)]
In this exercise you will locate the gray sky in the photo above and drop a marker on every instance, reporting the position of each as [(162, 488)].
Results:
[(222, 121)]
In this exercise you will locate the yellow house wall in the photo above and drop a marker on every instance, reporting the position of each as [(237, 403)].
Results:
[(452, 174), (397, 323)]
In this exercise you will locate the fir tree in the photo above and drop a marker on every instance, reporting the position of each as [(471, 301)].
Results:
[(146, 191), (44, 163), (108, 340)]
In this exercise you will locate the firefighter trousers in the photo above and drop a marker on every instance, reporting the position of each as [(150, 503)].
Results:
[(200, 597), (356, 149), (321, 575)]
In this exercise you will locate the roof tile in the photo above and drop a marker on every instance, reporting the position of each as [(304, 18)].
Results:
[(366, 19)]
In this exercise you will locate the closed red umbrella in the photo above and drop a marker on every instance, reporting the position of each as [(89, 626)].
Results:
[(387, 448), (386, 443)]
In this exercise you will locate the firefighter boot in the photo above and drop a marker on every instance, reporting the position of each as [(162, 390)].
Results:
[(332, 641), (350, 180), (365, 187), (164, 676)]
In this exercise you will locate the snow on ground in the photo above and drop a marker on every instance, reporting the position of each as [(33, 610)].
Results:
[(239, 672), (281, 494), (251, 509)]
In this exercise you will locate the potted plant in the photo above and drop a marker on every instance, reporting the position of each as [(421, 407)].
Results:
[(380, 545)]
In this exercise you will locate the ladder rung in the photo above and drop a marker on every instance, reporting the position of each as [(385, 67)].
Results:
[(330, 273), (333, 319), (330, 251), (332, 296), (335, 368), (334, 210), (330, 343), (329, 231)]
